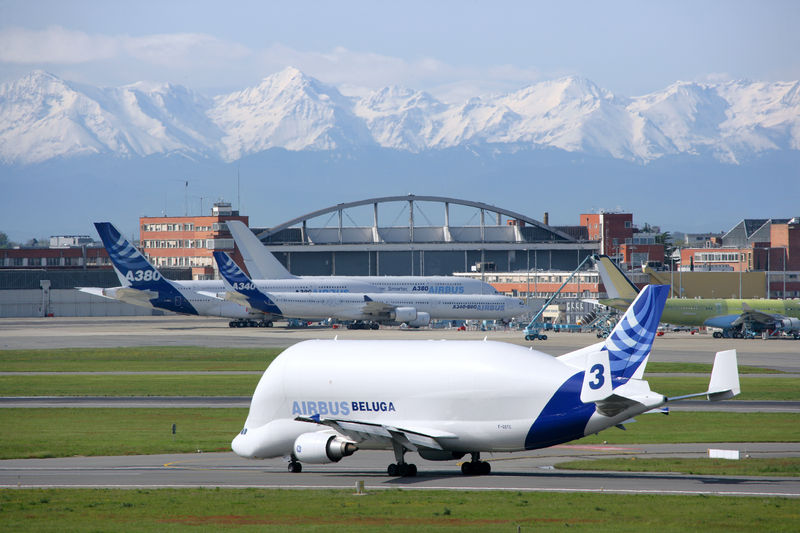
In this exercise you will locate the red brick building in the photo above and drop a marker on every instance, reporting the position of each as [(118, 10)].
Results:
[(611, 229), (190, 241)]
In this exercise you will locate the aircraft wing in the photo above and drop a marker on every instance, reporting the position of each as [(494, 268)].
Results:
[(96, 291), (374, 308), (236, 297), (754, 316), (214, 295), (125, 294), (411, 438)]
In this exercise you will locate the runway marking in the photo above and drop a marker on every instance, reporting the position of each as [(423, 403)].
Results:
[(428, 488)]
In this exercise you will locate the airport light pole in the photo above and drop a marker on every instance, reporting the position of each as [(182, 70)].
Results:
[(528, 272)]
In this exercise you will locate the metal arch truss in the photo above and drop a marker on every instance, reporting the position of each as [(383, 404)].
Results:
[(411, 198)]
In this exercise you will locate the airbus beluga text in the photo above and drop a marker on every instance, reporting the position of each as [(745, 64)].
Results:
[(323, 400)]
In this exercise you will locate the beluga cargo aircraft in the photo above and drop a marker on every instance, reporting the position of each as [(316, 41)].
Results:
[(323, 400)]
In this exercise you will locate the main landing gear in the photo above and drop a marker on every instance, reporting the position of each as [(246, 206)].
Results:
[(246, 323), (476, 467), (294, 466), (401, 469)]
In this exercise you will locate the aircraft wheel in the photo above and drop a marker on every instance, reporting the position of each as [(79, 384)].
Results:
[(543, 337), (467, 468), (392, 470), (231, 324), (485, 468), (295, 467), (717, 335), (269, 323)]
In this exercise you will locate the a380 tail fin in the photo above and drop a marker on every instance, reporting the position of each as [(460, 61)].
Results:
[(133, 269), (136, 273), (631, 340)]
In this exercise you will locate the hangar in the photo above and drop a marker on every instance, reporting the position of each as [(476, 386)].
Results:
[(422, 235)]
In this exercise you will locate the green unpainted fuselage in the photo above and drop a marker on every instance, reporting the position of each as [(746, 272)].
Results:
[(698, 311)]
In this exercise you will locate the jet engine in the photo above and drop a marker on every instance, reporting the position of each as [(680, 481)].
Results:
[(789, 324), (423, 319), (405, 314), (322, 447)]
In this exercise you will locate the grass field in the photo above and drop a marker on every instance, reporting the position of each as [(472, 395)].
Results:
[(129, 385), (390, 510), (784, 466), (195, 358), (756, 388), (139, 359), (66, 432)]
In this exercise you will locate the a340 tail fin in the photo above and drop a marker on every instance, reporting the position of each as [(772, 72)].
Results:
[(631, 340), (237, 281)]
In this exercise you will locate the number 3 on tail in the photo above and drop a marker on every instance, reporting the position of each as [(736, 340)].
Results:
[(599, 377)]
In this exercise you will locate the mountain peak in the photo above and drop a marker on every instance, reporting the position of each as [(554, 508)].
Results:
[(43, 116)]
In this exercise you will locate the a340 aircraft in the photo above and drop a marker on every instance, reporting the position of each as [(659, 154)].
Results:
[(734, 317), (413, 309), (143, 285), (261, 264), (323, 400)]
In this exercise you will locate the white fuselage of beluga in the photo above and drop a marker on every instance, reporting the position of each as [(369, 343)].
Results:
[(468, 395)]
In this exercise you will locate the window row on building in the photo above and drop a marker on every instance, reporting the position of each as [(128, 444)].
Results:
[(210, 244), (188, 226), (35, 262)]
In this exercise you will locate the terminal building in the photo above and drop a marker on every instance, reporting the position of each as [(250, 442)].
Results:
[(422, 236), (415, 235)]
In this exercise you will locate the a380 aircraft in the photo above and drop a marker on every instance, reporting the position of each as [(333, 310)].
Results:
[(261, 264), (413, 309), (143, 285), (734, 317), (322, 400)]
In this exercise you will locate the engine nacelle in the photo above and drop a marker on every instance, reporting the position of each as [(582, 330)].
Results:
[(789, 324), (423, 319), (405, 314), (322, 447), (440, 455)]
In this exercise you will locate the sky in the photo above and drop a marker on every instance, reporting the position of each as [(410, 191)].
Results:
[(453, 49)]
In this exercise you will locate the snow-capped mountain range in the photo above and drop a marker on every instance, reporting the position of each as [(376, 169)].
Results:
[(44, 117)]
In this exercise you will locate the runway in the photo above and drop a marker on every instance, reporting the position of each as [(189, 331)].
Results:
[(525, 471)]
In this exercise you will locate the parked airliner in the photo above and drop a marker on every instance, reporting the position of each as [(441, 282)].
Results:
[(323, 400), (261, 264), (143, 285), (734, 317), (413, 309)]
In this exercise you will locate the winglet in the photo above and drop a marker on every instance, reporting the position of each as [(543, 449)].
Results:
[(724, 382)]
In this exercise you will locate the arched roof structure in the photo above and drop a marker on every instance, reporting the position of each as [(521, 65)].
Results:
[(520, 228)]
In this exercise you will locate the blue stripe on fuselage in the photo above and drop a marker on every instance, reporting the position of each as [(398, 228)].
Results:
[(563, 419)]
